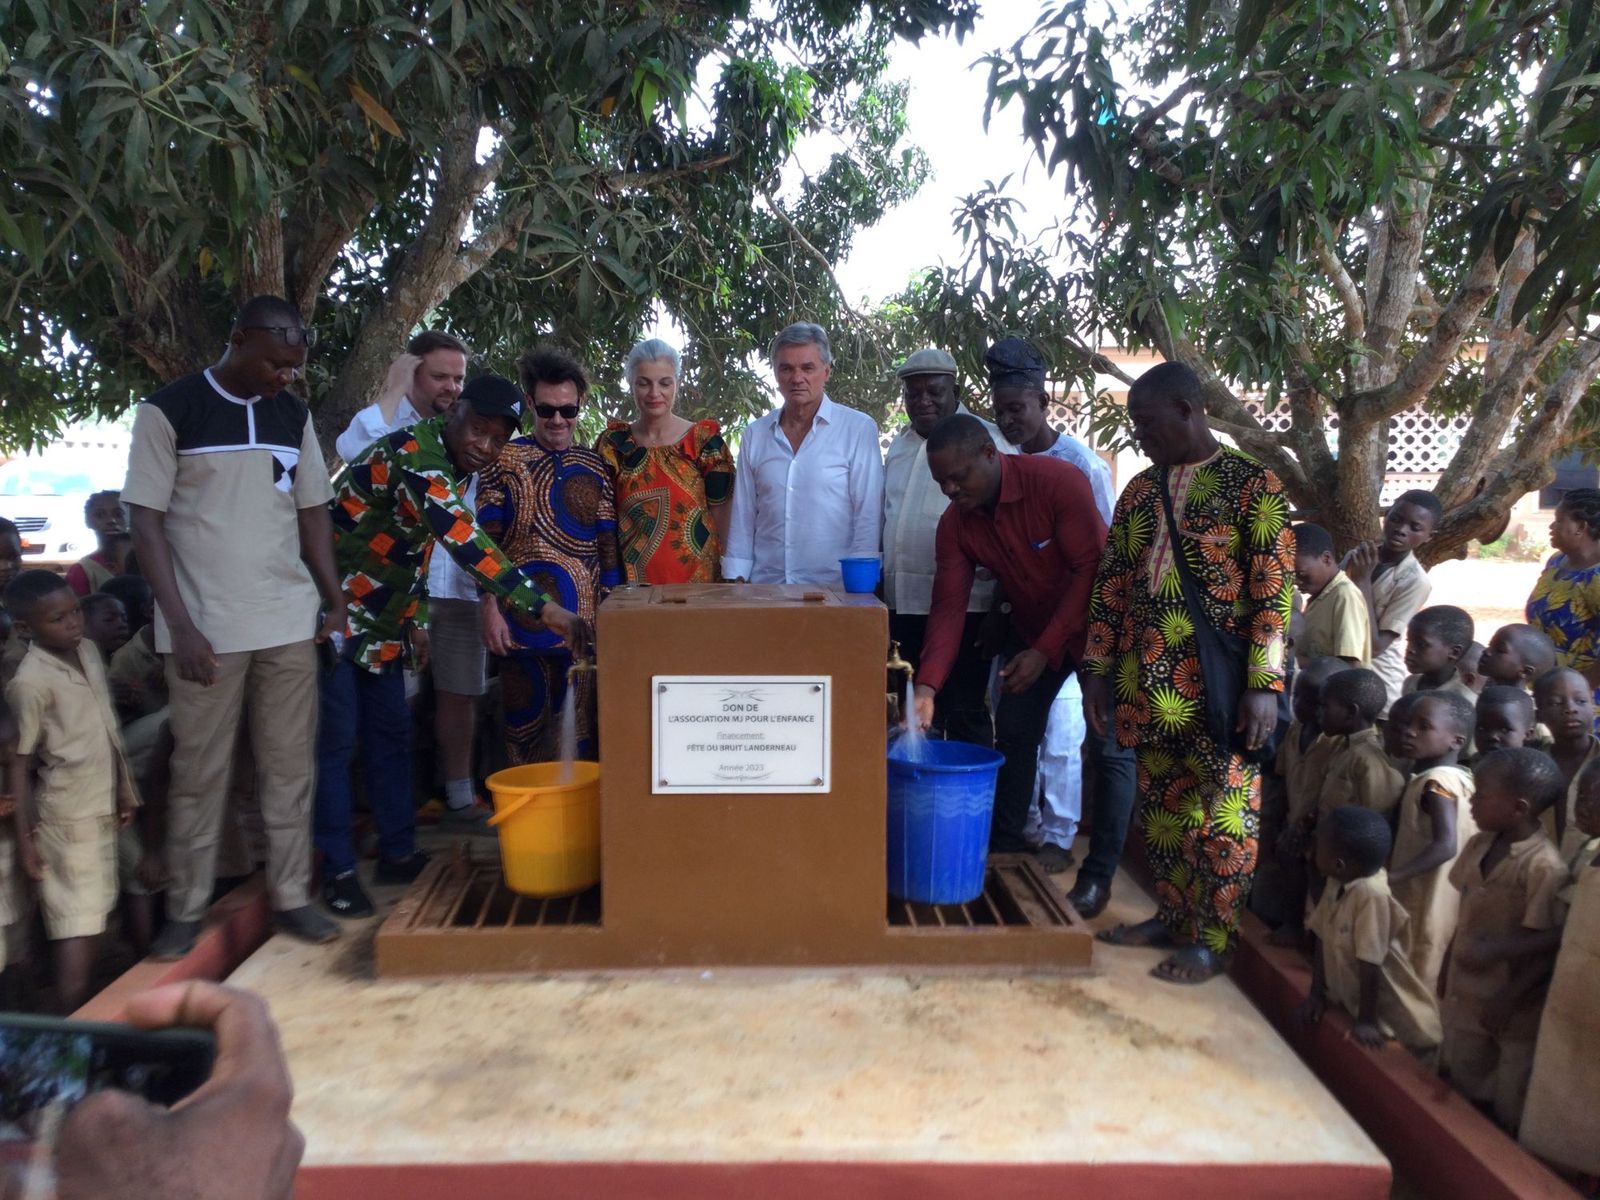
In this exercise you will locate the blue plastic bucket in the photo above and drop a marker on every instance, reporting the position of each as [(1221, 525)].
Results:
[(860, 574), (940, 807)]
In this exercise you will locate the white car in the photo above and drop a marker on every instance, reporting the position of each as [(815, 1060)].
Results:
[(44, 496)]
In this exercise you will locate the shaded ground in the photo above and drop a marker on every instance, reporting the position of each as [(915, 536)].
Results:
[(1493, 592)]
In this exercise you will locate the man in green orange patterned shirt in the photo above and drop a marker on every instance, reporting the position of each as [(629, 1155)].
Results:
[(399, 501)]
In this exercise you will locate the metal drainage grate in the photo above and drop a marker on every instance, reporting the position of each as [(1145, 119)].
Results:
[(1015, 895), (473, 895)]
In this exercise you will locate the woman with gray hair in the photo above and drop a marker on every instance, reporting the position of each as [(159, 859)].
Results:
[(673, 477)]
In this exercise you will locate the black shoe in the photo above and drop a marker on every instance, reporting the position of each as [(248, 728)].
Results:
[(1089, 897), (174, 941), (307, 924), (344, 895), (405, 870), (1053, 858)]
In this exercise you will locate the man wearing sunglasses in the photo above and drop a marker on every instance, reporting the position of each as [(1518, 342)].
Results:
[(549, 504), (228, 495)]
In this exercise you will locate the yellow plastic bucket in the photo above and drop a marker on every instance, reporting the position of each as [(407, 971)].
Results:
[(549, 830)]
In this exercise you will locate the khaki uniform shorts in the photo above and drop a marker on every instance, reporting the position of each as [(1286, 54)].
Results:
[(79, 887), (458, 655)]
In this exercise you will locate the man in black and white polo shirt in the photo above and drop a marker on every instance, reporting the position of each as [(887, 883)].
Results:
[(229, 494)]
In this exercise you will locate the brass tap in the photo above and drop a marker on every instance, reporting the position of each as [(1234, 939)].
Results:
[(895, 697), (581, 665), (896, 663)]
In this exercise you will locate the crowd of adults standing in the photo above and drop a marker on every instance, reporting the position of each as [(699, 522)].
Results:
[(467, 519)]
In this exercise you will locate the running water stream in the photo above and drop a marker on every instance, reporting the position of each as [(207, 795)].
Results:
[(569, 731), (910, 742)]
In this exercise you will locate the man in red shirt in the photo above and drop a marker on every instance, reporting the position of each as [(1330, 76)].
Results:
[(1032, 522)]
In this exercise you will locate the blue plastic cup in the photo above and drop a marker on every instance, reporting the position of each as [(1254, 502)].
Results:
[(860, 574), (940, 808)]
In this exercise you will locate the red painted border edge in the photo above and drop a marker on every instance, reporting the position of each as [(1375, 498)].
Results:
[(808, 1180), (235, 928)]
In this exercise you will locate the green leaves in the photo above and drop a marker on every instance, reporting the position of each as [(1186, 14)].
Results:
[(155, 152)]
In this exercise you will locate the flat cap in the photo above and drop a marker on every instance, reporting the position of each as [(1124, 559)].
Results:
[(927, 362), (1011, 362)]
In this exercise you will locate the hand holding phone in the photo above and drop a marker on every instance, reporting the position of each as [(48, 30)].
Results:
[(231, 1137)]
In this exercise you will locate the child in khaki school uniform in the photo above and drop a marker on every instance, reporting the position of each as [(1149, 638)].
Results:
[(1436, 641), (1358, 772), (1301, 763), (1434, 822), (1394, 583), (1564, 702), (66, 828), (1505, 719), (1334, 623), (1515, 656), (1360, 962), (1506, 935), (1561, 1120)]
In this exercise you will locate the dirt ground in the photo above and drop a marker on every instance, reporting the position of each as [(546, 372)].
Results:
[(1494, 592)]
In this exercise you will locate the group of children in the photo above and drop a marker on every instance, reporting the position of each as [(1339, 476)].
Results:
[(1441, 850), (84, 750)]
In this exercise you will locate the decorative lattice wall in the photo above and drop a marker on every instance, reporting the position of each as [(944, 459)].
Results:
[(1421, 444)]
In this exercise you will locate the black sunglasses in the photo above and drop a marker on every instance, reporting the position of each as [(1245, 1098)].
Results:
[(292, 335), (546, 411)]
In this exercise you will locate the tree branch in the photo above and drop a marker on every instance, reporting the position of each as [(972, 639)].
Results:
[(1524, 466), (1428, 365), (262, 269), (1355, 321), (1498, 404), (620, 180), (805, 244), (307, 265), (1237, 421)]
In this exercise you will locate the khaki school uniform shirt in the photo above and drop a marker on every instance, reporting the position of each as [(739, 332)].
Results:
[(1335, 624), (1520, 893), (1398, 595), (1561, 1121), (1302, 771), (231, 474), (1360, 773), (64, 717), (138, 667), (1360, 922), (1571, 836), (1431, 901)]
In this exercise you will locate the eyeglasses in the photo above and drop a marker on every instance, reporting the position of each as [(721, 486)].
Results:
[(546, 411), (292, 335)]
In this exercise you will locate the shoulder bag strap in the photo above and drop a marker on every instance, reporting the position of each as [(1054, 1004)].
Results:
[(1191, 590)]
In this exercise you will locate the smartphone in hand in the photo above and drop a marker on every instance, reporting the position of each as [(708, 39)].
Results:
[(48, 1064)]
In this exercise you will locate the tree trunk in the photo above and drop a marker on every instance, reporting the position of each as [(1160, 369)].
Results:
[(1354, 512)]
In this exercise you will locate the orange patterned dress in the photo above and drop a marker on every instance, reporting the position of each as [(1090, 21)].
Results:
[(664, 498)]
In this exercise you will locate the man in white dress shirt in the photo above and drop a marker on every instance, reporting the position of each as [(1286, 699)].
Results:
[(424, 382), (1021, 408), (912, 506), (809, 490)]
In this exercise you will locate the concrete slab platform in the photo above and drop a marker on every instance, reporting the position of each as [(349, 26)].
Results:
[(1107, 1079)]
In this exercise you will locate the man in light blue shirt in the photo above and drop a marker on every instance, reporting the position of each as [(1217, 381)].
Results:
[(809, 489), (1021, 410)]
